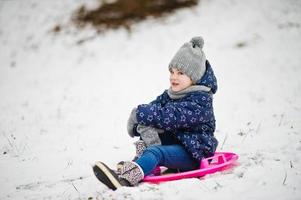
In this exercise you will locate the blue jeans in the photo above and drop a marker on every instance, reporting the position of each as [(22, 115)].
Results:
[(171, 156)]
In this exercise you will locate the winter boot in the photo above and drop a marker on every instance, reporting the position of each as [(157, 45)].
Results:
[(140, 148), (131, 172), (130, 175), (119, 167), (107, 176)]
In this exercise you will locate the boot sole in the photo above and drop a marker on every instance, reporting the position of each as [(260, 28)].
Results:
[(105, 175)]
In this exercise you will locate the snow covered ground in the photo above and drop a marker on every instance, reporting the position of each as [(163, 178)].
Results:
[(64, 105)]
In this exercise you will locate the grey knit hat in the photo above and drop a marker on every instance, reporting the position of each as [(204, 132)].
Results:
[(190, 59)]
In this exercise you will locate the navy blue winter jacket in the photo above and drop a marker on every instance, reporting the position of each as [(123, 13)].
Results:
[(190, 119)]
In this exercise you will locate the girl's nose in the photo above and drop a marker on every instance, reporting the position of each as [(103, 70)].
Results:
[(173, 76)]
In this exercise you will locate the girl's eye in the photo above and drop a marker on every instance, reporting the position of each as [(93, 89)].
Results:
[(181, 73)]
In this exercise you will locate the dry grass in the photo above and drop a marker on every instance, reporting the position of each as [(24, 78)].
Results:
[(123, 13)]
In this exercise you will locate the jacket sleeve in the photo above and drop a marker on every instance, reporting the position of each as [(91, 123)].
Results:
[(160, 100), (174, 115)]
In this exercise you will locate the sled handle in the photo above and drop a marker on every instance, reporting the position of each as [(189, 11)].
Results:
[(220, 158)]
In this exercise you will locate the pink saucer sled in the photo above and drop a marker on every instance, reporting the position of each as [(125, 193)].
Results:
[(219, 162)]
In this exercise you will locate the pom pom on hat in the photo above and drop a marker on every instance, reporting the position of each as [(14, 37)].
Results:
[(197, 42), (190, 59)]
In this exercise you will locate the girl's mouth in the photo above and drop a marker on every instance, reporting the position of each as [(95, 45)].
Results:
[(174, 84)]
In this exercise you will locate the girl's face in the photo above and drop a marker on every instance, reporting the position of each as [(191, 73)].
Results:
[(178, 80)]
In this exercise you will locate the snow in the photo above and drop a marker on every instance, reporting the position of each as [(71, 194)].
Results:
[(65, 105)]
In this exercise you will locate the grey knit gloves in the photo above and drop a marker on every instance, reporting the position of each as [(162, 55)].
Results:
[(147, 133), (131, 122)]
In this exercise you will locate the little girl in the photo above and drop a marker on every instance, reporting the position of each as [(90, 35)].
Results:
[(177, 129)]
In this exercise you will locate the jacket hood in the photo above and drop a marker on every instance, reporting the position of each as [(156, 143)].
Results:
[(208, 79)]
